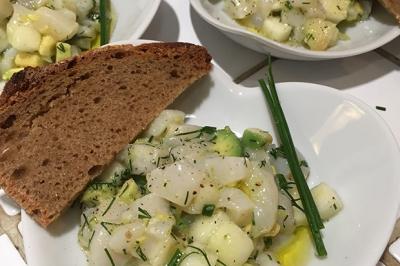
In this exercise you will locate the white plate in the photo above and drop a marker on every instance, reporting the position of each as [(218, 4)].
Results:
[(365, 36), (345, 142)]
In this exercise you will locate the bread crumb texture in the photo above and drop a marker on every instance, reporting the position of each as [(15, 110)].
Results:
[(62, 123)]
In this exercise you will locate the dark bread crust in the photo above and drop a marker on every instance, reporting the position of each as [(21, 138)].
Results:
[(60, 124), (393, 6)]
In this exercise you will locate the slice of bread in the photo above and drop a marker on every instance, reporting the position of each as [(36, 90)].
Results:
[(60, 124), (393, 6)]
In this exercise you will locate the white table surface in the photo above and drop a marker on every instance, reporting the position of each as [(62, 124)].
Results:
[(369, 77)]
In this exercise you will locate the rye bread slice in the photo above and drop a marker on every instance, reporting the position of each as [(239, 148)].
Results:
[(62, 123), (393, 6)]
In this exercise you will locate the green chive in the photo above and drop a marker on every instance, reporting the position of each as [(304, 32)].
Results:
[(310, 209), (208, 210), (104, 21)]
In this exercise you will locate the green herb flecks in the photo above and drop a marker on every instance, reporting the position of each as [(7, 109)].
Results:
[(143, 214), (208, 210), (140, 253), (109, 257), (109, 206)]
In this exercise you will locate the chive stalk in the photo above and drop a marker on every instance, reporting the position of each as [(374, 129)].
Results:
[(104, 7), (310, 209)]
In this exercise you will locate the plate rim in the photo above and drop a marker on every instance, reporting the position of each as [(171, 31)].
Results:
[(283, 48)]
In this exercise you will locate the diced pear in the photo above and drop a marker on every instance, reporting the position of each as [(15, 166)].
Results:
[(47, 46), (232, 245), (328, 203), (28, 59), (320, 34), (204, 227), (335, 10), (276, 30)]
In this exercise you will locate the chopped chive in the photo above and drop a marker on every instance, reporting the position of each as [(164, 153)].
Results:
[(91, 238), (202, 252), (187, 196), (220, 262), (380, 108), (208, 210), (140, 253), (143, 214), (109, 206), (109, 257), (175, 259)]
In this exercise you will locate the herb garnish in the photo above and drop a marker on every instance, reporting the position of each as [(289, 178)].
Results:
[(140, 253), (310, 208), (175, 259), (208, 210), (202, 252), (109, 257), (143, 214), (105, 20), (109, 206)]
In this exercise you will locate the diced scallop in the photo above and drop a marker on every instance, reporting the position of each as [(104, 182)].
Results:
[(328, 203), (143, 158), (178, 182), (160, 226), (60, 24), (123, 238), (158, 251), (239, 9), (237, 204), (203, 227), (232, 245), (335, 10), (182, 130), (161, 123), (267, 259), (276, 30), (150, 203), (99, 246), (285, 214), (24, 38), (227, 170), (207, 194), (320, 34), (111, 171), (83, 7), (262, 189)]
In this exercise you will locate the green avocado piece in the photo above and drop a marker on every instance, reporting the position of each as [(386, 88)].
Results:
[(255, 138), (63, 51), (128, 192), (97, 192), (227, 143)]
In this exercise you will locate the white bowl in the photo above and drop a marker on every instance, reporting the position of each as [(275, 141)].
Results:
[(365, 36), (346, 143)]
